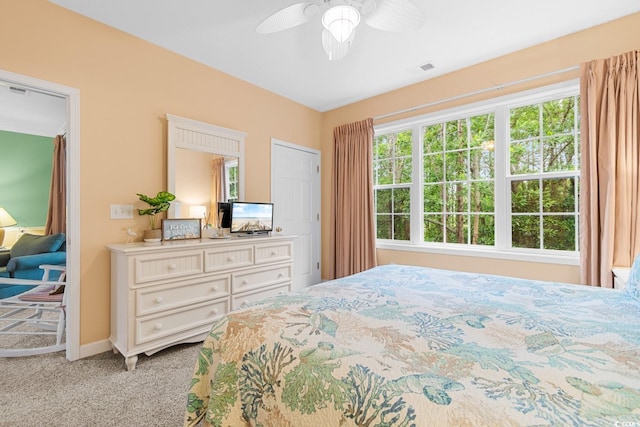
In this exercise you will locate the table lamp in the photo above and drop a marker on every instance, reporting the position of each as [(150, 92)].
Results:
[(6, 220), (199, 212)]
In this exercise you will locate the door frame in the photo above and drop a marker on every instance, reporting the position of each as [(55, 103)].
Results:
[(318, 197), (72, 95)]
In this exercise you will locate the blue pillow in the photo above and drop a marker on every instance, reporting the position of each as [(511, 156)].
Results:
[(633, 283), (30, 244)]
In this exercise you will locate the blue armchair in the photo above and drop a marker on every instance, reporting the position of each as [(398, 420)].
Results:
[(25, 257)]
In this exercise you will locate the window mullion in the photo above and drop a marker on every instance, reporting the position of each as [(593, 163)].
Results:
[(468, 180), (501, 181), (576, 162), (417, 194), (541, 171)]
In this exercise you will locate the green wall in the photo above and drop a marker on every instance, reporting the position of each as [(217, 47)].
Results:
[(25, 177)]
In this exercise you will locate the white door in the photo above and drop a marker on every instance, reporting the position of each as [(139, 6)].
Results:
[(295, 193)]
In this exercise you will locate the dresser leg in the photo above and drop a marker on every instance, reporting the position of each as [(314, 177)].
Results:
[(131, 362)]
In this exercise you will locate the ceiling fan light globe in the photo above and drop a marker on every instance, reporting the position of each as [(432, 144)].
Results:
[(333, 48), (340, 21)]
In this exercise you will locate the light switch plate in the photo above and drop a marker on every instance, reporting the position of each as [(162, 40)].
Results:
[(121, 211)]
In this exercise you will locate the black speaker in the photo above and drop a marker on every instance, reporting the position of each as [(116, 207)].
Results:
[(224, 212)]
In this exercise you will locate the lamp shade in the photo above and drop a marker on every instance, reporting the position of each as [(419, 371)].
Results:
[(5, 219), (340, 21), (198, 211)]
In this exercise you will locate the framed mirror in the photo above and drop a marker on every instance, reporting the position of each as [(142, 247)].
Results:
[(205, 165)]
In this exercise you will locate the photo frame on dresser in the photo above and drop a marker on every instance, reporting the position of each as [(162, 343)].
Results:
[(181, 229)]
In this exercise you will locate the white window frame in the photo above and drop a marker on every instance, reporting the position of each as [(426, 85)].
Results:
[(402, 185), (228, 164), (500, 106)]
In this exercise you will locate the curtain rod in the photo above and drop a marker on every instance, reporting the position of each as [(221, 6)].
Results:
[(477, 92)]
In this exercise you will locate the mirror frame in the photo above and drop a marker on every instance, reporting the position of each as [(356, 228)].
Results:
[(193, 135)]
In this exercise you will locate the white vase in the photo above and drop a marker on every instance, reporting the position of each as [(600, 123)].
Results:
[(152, 236)]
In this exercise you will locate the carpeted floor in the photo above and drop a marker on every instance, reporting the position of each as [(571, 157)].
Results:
[(96, 391)]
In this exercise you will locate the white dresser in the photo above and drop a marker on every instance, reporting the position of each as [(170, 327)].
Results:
[(172, 292)]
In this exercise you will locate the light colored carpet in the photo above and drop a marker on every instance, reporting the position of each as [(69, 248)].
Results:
[(96, 391)]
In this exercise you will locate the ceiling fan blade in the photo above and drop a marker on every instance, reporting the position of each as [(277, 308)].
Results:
[(396, 16), (289, 17), (334, 49)]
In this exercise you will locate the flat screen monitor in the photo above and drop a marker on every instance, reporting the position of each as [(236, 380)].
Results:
[(251, 217), (224, 214)]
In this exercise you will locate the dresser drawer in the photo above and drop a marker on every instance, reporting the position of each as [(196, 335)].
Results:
[(186, 319), (254, 279), (240, 301), (273, 252), (150, 268), (226, 258), (151, 300)]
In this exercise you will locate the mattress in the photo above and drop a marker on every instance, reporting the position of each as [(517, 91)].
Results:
[(412, 346)]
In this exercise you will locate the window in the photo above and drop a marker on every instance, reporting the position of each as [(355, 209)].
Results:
[(392, 168), (231, 180), (458, 182), (501, 175), (543, 177)]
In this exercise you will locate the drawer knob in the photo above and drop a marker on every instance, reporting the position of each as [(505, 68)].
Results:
[(158, 326), (273, 253), (158, 300), (214, 289), (214, 311), (244, 304), (245, 282), (230, 259), (280, 275), (172, 266)]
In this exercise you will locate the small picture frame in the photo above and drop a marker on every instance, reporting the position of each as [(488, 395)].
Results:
[(181, 229)]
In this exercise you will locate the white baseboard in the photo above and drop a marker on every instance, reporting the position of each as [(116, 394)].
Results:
[(94, 348)]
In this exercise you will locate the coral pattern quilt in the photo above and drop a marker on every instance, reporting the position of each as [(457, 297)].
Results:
[(413, 346)]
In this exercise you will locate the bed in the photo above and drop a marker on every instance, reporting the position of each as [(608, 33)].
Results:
[(412, 346)]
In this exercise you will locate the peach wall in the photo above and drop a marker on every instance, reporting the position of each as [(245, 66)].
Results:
[(126, 87), (194, 185), (527, 270), (598, 42)]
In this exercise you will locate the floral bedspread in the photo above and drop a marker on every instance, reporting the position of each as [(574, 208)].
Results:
[(412, 346)]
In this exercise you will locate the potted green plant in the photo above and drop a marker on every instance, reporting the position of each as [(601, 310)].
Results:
[(158, 204)]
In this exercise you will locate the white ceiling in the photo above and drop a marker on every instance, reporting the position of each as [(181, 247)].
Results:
[(24, 110), (292, 63)]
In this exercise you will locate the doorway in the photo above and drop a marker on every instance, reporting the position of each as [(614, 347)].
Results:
[(295, 192), (72, 97)]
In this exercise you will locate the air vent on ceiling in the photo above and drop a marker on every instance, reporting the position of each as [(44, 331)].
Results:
[(419, 70), (17, 90), (428, 66)]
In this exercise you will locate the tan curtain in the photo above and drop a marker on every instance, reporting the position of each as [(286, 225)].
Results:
[(217, 189), (609, 180), (57, 214), (352, 213)]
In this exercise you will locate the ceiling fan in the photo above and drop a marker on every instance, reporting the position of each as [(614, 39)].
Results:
[(340, 18)]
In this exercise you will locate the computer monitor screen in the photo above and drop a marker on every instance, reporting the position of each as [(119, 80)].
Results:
[(251, 217)]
